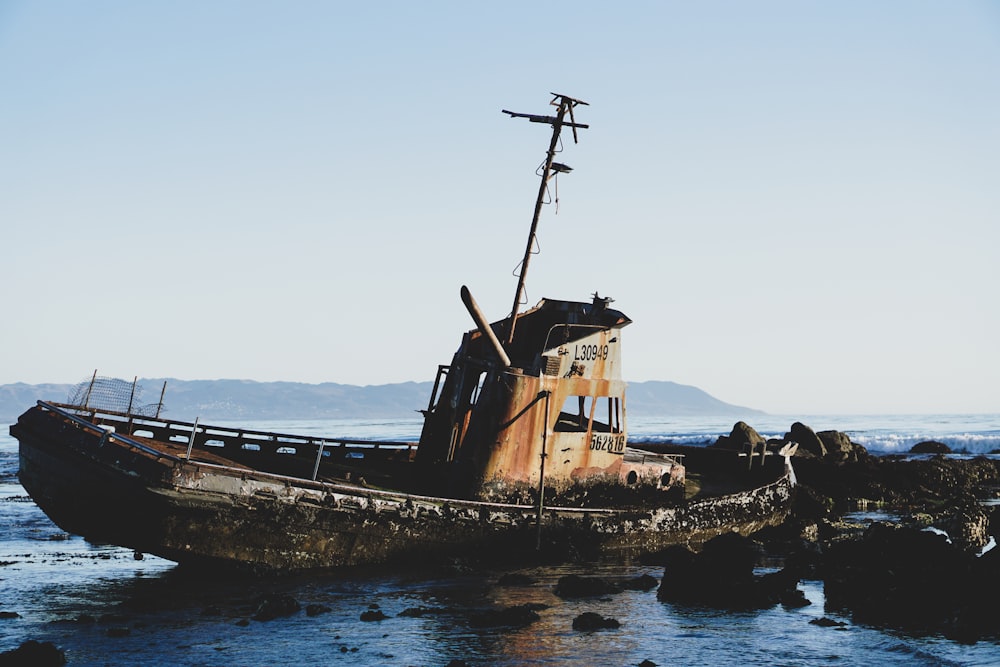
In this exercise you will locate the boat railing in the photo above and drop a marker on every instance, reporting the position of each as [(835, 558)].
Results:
[(633, 455), (235, 443), (106, 434)]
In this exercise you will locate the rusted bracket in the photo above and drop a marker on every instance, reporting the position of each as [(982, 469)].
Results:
[(541, 395), (551, 120)]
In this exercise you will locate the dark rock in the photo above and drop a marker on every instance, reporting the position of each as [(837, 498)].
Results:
[(967, 524), (118, 632), (373, 615), (457, 663), (647, 663), (644, 582), (9, 614), (588, 620), (517, 616), (930, 447), (839, 447), (804, 558), (827, 623), (722, 576), (897, 480), (741, 438), (915, 581), (575, 586), (33, 654), (316, 609), (809, 442), (275, 606)]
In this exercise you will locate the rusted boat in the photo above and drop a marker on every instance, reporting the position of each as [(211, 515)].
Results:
[(524, 446)]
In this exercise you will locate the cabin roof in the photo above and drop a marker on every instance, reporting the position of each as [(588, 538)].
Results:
[(595, 313), (535, 325)]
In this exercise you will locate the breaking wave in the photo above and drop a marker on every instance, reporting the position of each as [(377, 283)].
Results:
[(879, 434)]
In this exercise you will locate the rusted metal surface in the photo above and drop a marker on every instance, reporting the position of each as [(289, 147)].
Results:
[(114, 490)]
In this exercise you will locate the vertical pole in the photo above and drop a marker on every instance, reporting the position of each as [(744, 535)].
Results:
[(159, 406), (132, 395), (541, 474), (194, 430), (556, 128), (86, 400), (319, 457)]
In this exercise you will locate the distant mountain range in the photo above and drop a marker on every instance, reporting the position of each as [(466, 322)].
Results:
[(257, 401)]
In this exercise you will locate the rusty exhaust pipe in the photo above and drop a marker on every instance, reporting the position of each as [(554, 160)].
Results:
[(484, 326)]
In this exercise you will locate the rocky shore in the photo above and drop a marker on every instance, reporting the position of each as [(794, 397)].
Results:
[(930, 568), (924, 568)]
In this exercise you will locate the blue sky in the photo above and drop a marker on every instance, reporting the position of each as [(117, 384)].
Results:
[(796, 202)]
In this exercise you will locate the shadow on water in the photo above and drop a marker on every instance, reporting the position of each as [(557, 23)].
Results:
[(152, 612)]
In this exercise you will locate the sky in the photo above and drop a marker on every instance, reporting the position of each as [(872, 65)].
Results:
[(796, 203)]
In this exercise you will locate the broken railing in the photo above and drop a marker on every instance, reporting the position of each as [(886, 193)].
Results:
[(296, 455)]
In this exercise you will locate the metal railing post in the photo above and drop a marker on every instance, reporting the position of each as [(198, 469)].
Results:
[(194, 430), (541, 471), (319, 457)]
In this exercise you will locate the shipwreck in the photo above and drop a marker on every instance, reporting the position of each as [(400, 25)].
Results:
[(524, 445)]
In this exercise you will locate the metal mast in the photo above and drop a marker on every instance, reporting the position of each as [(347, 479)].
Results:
[(564, 104)]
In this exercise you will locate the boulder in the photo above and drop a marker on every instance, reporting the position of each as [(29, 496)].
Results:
[(274, 606), (913, 580), (741, 438), (317, 609), (643, 582), (809, 442), (930, 447), (589, 620), (839, 447), (967, 525), (35, 654), (722, 576)]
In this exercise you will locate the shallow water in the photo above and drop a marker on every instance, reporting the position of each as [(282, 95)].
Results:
[(104, 607)]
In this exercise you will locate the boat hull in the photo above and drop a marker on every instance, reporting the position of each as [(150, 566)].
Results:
[(112, 489)]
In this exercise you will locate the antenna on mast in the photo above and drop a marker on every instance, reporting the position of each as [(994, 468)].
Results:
[(564, 105)]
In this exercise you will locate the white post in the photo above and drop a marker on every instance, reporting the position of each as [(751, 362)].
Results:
[(194, 430), (319, 457)]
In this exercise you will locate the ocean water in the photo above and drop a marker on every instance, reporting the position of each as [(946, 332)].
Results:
[(104, 607)]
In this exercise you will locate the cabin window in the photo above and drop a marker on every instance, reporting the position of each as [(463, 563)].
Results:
[(285, 450), (607, 415), (576, 412), (478, 390)]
